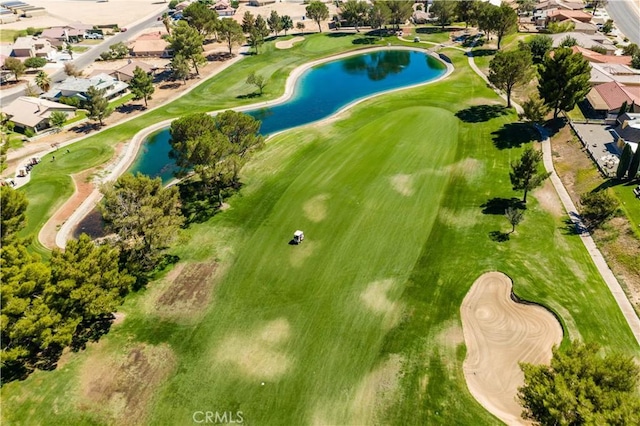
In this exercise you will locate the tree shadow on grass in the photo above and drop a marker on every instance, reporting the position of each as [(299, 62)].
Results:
[(498, 205), (483, 52), (499, 236), (337, 35), (514, 135), (249, 96), (91, 331), (430, 30), (364, 40), (480, 113)]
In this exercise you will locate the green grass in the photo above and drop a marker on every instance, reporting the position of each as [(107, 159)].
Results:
[(79, 49), (391, 191)]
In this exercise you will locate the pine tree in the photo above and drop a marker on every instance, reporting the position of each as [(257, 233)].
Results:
[(625, 162), (564, 80), (141, 85), (97, 105)]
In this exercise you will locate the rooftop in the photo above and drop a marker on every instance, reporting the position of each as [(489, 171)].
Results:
[(31, 111)]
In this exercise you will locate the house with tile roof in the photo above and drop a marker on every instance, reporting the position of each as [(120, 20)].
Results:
[(77, 87), (606, 99), (33, 114)]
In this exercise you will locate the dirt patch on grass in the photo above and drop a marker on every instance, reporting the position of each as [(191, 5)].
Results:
[(301, 252), (468, 169), (376, 298), (121, 389), (548, 199), (288, 44), (458, 219), (258, 354), (315, 209), (403, 184)]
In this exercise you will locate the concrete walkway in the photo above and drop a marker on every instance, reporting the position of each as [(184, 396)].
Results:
[(608, 277)]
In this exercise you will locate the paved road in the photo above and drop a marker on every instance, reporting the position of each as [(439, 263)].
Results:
[(626, 16), (91, 55)]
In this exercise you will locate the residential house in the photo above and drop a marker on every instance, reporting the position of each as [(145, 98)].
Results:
[(223, 8), (76, 87), (33, 114), (584, 27), (63, 34), (599, 58), (30, 46), (587, 41), (151, 44), (623, 74), (125, 73), (7, 16), (558, 4), (560, 15), (628, 129), (606, 99)]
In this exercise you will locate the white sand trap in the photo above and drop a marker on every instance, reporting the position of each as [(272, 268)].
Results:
[(258, 354), (288, 44), (500, 333), (403, 184), (315, 209)]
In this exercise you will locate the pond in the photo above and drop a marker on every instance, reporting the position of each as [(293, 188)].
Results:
[(319, 92)]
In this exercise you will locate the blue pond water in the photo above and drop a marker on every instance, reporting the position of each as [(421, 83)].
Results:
[(319, 92)]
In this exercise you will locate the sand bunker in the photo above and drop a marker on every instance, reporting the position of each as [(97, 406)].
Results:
[(288, 44), (500, 333)]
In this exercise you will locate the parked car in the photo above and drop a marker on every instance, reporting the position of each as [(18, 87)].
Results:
[(123, 30), (94, 36)]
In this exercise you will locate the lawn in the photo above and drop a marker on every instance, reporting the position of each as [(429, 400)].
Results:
[(358, 325)]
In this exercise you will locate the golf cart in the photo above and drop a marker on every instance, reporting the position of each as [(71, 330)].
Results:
[(298, 237)]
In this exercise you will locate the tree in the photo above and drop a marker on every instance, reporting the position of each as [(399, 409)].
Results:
[(526, 6), (180, 68), (255, 40), (568, 41), (465, 10), (230, 32), (506, 22), (560, 27), (534, 109), (15, 66), (71, 70), (43, 81), (257, 80), (514, 216), (287, 23), (631, 49), (248, 22), (379, 14), (539, 45), (444, 10), (261, 27), (581, 387), (510, 69), (318, 12), (57, 120), (400, 11), (524, 173), (87, 283), (35, 62), (275, 22), (12, 214), (146, 217), (187, 42), (634, 166), (300, 27), (635, 61), (200, 17), (625, 162), (166, 21), (564, 80), (354, 12), (608, 26), (118, 50), (97, 105), (486, 16), (595, 4), (30, 90), (141, 85), (598, 207)]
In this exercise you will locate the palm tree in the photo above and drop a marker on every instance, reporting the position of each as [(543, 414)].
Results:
[(43, 81)]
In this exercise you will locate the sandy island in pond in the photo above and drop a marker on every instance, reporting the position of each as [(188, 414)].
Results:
[(500, 333)]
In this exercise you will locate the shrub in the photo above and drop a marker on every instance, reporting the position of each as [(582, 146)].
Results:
[(598, 49), (28, 132), (631, 49), (35, 62), (75, 102), (598, 207), (173, 4)]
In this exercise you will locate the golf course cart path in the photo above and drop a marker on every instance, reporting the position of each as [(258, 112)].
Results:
[(614, 286), (124, 161), (499, 333)]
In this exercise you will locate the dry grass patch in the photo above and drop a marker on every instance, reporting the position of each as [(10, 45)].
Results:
[(257, 354), (301, 252), (315, 209), (468, 169), (459, 219), (375, 297), (548, 199), (121, 389), (403, 184)]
